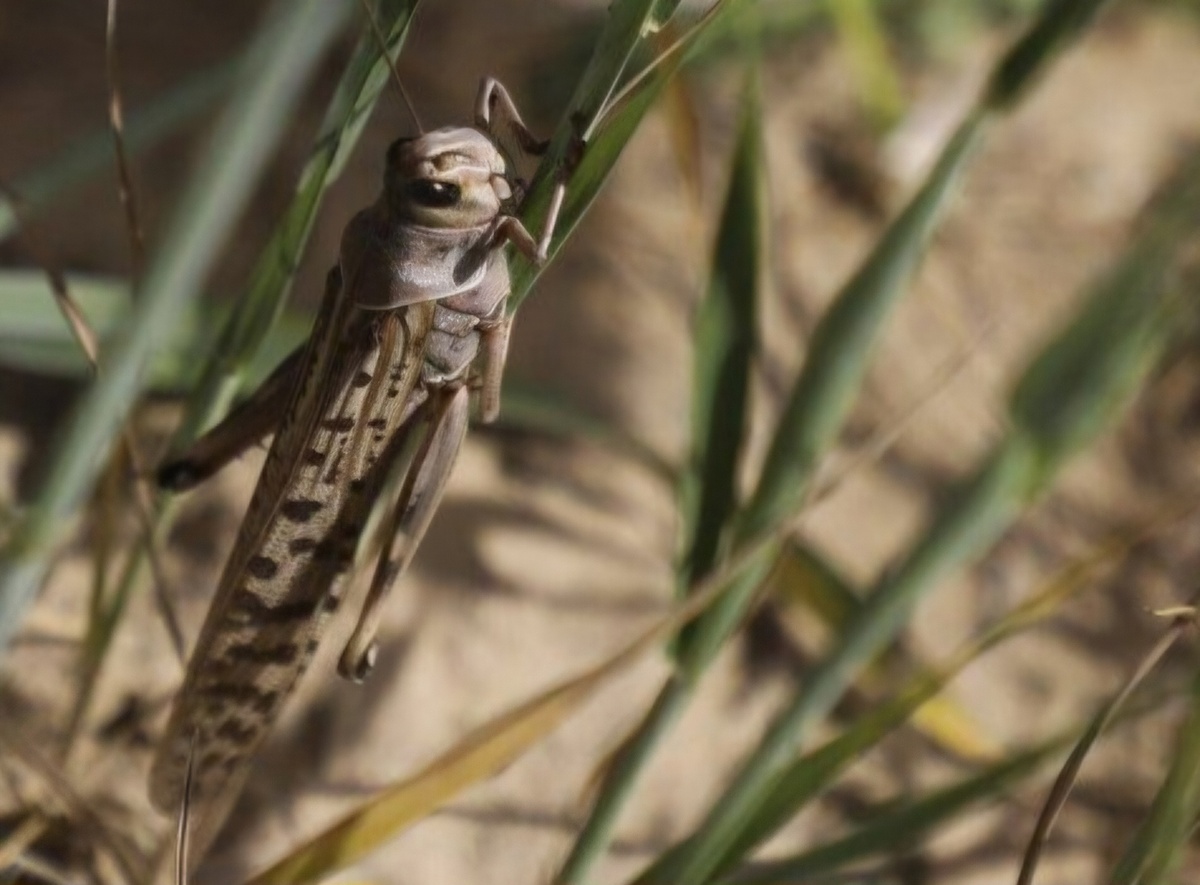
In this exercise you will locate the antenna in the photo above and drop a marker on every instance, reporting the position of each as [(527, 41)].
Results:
[(381, 39)]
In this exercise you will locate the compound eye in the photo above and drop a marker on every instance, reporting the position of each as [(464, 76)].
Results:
[(434, 194)]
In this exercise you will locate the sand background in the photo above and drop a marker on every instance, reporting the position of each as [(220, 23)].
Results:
[(546, 554)]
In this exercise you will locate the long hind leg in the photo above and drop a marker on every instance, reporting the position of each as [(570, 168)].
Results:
[(419, 498)]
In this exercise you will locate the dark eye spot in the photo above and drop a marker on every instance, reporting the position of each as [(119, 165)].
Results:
[(435, 194)]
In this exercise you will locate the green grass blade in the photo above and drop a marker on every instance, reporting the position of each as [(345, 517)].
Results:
[(34, 336), (93, 153), (843, 342), (285, 52), (725, 342), (628, 23), (1060, 24), (622, 32), (1094, 388), (900, 825), (724, 347), (1072, 390), (833, 371), (362, 82)]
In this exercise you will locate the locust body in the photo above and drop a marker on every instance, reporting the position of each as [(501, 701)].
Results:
[(416, 302)]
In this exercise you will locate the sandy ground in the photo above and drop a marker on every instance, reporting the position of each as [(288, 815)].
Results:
[(546, 556)]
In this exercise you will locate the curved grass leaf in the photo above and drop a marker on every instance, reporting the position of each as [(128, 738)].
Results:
[(284, 54), (1060, 23)]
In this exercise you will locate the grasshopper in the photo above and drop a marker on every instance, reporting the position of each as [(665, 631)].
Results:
[(416, 299)]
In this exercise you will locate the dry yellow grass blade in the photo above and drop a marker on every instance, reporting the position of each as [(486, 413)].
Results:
[(483, 753)]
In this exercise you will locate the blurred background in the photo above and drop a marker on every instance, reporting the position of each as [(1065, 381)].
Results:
[(553, 549)]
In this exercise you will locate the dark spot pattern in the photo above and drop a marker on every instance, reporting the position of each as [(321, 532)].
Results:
[(211, 760), (260, 700), (343, 424), (302, 545), (300, 509), (262, 567), (336, 554), (282, 654), (362, 379), (258, 611), (237, 732)]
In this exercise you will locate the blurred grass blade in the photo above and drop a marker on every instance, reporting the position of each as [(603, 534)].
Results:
[(285, 52), (93, 153), (724, 347), (1129, 312), (363, 80), (484, 752), (1060, 23), (836, 362), (725, 339), (34, 337), (901, 826), (843, 342), (1156, 853)]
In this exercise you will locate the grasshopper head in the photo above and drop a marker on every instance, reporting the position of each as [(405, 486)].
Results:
[(448, 178)]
